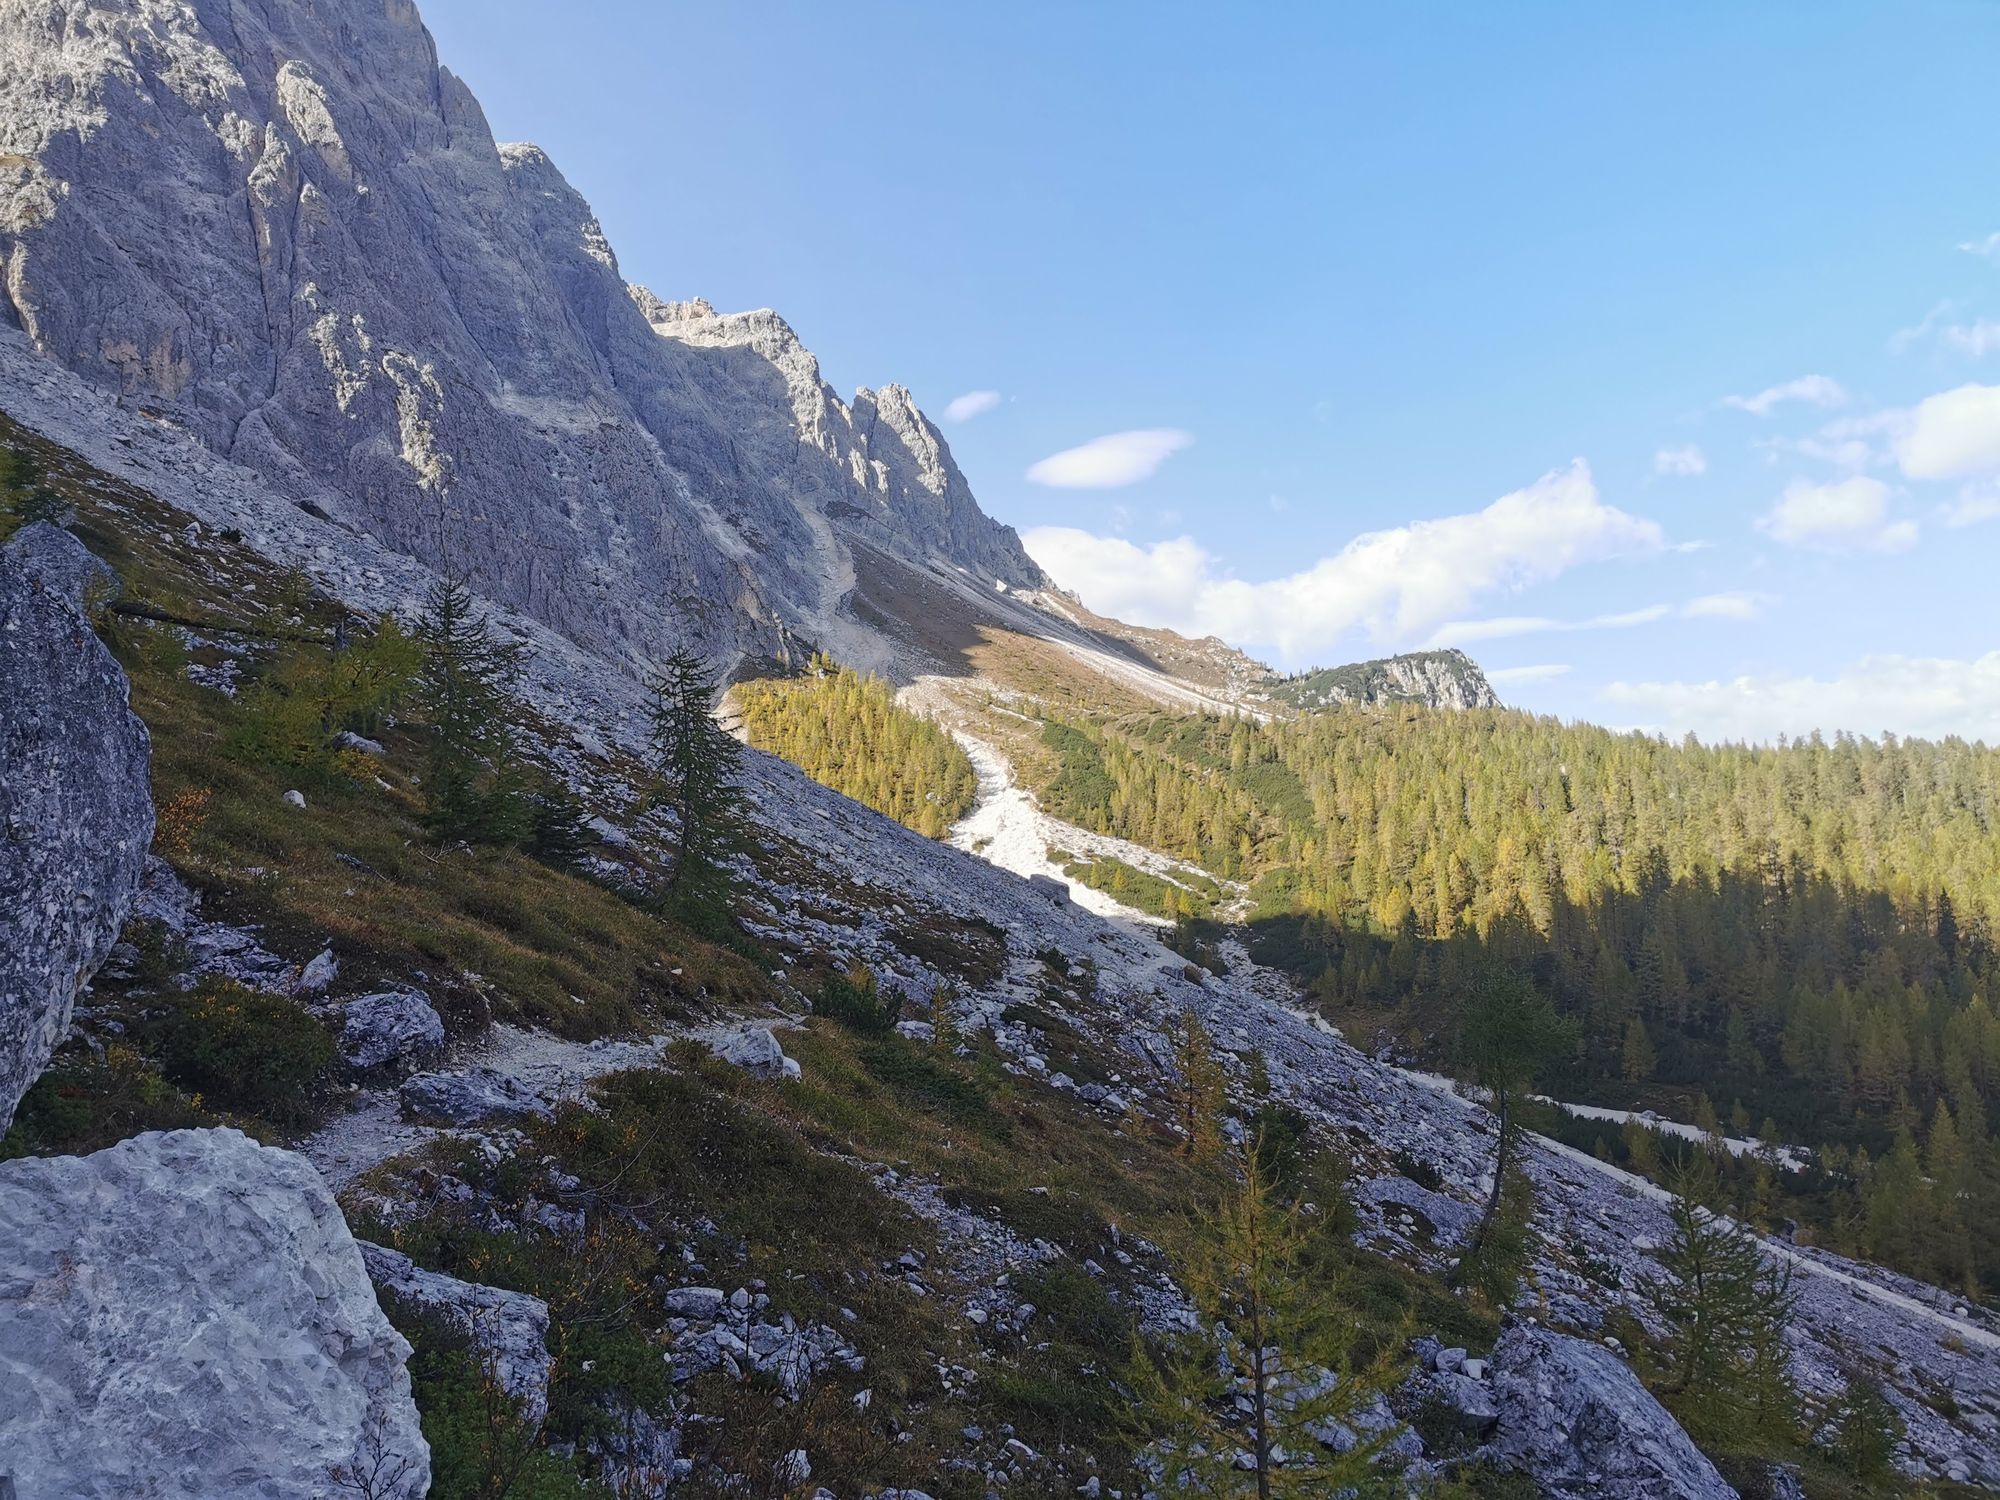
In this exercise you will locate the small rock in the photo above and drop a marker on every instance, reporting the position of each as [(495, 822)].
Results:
[(295, 798), (465, 1097), (694, 1301)]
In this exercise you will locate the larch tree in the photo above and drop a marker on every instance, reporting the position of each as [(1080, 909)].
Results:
[(1265, 1399)]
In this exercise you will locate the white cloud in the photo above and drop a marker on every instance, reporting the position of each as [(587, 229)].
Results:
[(1741, 604), (1990, 246), (1977, 338), (1932, 697), (1683, 462), (1116, 459), (971, 404), (1540, 673), (1849, 515), (1395, 586), (1816, 390), (1972, 506), (1953, 433)]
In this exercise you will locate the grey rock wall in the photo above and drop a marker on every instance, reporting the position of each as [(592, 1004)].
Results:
[(76, 805)]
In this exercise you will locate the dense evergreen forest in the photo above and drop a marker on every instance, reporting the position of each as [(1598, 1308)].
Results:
[(845, 730), (1800, 938)]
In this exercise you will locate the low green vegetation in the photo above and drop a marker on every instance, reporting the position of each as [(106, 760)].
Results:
[(846, 730), (1190, 894)]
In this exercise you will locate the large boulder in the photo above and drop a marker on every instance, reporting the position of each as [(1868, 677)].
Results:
[(76, 806), (1575, 1420), (392, 1026), (509, 1329), (186, 1314)]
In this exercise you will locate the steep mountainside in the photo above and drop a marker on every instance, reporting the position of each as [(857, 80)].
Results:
[(288, 229)]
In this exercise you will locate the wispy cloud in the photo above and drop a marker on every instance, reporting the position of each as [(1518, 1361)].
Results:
[(1813, 390), (1926, 696), (1735, 606), (1111, 461), (971, 404), (1905, 338), (1849, 515), (1684, 462), (1972, 506), (1978, 338), (1541, 672), (1393, 586), (1988, 247), (1975, 339), (1741, 604)]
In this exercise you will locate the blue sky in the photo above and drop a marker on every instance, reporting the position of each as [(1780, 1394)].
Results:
[(1420, 323)]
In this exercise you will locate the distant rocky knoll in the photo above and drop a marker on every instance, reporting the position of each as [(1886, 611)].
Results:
[(1435, 679)]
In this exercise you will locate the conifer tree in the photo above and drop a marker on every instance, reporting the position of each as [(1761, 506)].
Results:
[(1238, 1409), (697, 766), (1866, 1430), (471, 783), (1639, 1059), (1509, 1034), (1725, 1309), (1196, 1091)]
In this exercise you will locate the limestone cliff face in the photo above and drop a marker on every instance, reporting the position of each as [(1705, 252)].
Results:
[(287, 228), (76, 804), (1435, 679)]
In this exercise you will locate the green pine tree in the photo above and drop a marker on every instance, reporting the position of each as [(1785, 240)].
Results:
[(1238, 1409), (697, 765), (472, 781), (1725, 1308)]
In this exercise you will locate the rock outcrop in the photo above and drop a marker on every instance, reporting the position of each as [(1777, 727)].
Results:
[(1435, 679), (186, 1314), (509, 1329), (1576, 1420), (289, 229), (76, 807)]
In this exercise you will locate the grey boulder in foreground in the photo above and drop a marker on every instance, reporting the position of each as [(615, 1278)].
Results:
[(76, 805), (186, 1314), (1575, 1420)]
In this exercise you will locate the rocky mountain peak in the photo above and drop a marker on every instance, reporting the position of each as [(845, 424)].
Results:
[(291, 232)]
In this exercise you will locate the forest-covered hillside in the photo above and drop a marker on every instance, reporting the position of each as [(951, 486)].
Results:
[(845, 730), (1800, 937)]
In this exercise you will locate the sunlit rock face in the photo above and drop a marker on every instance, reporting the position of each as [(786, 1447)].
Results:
[(287, 228)]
